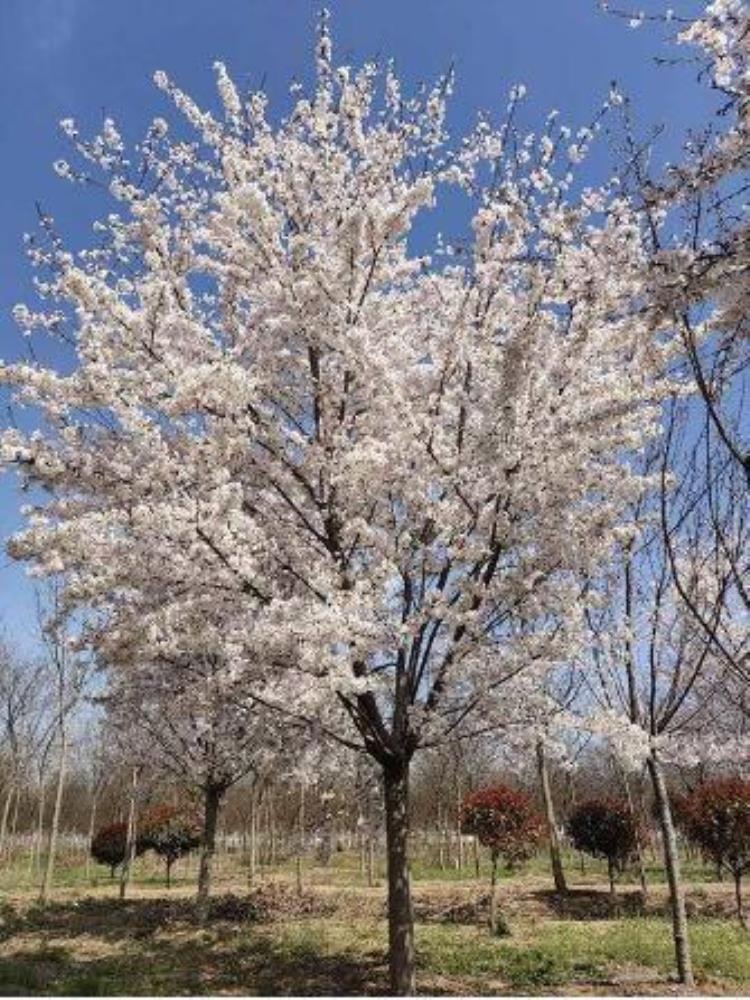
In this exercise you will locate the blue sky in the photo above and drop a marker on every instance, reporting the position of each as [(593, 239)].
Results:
[(88, 58)]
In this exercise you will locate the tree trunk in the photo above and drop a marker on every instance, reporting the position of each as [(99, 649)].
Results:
[(49, 866), (92, 827), (300, 836), (493, 896), (637, 827), (6, 814), (272, 826), (475, 852), (558, 872), (253, 854), (36, 847), (441, 841), (611, 877), (127, 863), (459, 838), (211, 804), (370, 860), (738, 898), (672, 865), (14, 822), (400, 914), (170, 862)]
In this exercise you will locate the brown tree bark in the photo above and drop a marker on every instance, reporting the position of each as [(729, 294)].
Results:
[(400, 913), (639, 853), (493, 896), (211, 804)]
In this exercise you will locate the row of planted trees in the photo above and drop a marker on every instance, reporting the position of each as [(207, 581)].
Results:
[(715, 817), (305, 486)]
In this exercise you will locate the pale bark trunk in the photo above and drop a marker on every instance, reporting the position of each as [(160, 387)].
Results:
[(211, 804), (672, 865), (49, 866), (272, 825), (400, 914), (92, 827), (253, 853), (370, 860), (300, 836), (738, 899), (459, 838), (558, 872), (6, 814), (14, 822), (130, 840), (36, 847), (441, 840)]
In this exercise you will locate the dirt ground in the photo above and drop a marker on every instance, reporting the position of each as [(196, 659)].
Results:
[(269, 940)]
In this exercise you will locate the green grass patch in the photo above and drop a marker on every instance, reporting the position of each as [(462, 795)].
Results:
[(561, 952)]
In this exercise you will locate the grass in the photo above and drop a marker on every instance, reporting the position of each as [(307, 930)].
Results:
[(567, 952), (87, 943)]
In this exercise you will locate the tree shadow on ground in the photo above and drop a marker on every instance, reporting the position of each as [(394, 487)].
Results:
[(115, 919), (206, 966), (592, 904), (158, 946)]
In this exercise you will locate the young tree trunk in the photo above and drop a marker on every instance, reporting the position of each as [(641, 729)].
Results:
[(211, 804), (300, 836), (672, 865), (49, 866), (400, 914), (253, 852), (14, 822), (92, 827), (370, 860), (441, 840), (6, 814), (130, 845), (36, 847), (459, 838), (611, 876), (493, 896), (497, 923), (640, 865), (738, 899), (558, 872), (475, 852), (272, 826), (170, 862)]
